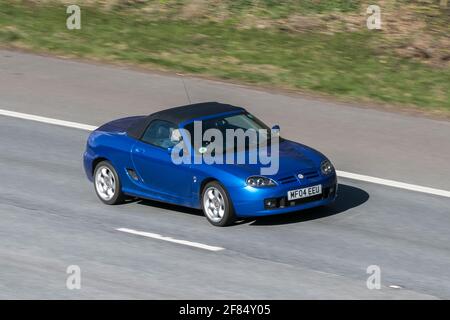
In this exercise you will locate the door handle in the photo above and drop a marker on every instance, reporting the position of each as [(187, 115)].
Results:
[(139, 150)]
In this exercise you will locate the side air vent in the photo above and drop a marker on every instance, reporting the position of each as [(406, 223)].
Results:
[(133, 175)]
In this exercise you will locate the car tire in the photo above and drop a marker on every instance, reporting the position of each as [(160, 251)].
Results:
[(217, 205), (107, 184)]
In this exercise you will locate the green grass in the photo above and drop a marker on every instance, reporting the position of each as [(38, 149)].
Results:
[(342, 64), (276, 8), (272, 8)]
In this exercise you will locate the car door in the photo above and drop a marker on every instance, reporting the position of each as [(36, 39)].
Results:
[(152, 160)]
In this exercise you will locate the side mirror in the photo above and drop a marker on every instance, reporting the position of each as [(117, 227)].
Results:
[(276, 129), (176, 136)]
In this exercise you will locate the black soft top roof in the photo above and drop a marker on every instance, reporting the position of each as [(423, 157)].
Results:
[(181, 114)]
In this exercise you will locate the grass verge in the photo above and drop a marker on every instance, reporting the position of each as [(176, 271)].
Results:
[(342, 64)]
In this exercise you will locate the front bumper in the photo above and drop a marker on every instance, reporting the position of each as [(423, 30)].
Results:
[(88, 159), (252, 202)]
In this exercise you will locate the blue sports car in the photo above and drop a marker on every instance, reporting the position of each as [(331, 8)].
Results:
[(135, 157)]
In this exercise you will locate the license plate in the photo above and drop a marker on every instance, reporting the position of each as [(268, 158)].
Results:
[(304, 192)]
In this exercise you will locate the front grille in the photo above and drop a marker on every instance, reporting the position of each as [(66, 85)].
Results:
[(307, 174), (287, 179), (311, 174), (303, 200)]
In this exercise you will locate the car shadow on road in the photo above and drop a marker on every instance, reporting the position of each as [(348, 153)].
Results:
[(168, 206), (177, 208), (348, 197)]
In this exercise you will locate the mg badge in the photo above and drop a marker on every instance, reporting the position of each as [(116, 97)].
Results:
[(300, 176)]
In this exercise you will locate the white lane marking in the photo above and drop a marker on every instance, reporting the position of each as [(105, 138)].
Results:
[(393, 286), (47, 120), (342, 174), (392, 183), (169, 239)]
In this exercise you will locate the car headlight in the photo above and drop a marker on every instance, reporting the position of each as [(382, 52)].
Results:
[(258, 181), (326, 167)]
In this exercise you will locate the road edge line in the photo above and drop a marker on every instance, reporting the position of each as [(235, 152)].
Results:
[(392, 183), (57, 122)]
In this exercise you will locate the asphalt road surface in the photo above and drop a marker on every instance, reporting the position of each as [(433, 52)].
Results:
[(51, 218)]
